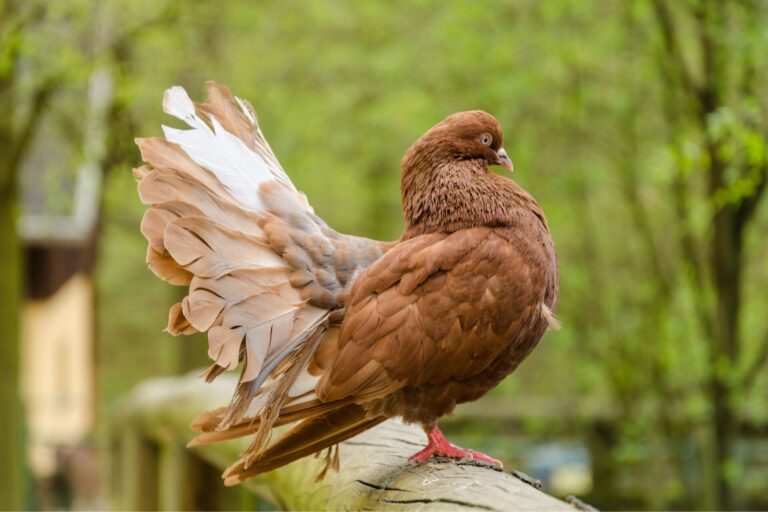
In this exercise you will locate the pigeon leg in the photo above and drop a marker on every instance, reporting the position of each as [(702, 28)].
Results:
[(439, 446)]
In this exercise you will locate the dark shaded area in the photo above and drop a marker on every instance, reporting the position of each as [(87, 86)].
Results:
[(48, 266)]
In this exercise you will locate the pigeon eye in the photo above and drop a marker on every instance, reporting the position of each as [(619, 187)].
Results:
[(486, 139)]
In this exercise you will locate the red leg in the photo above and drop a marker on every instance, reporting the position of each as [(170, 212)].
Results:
[(439, 446)]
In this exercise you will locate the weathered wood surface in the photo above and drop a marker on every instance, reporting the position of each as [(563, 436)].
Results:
[(375, 473)]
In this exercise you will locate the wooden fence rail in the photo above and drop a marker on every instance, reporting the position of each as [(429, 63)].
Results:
[(152, 469)]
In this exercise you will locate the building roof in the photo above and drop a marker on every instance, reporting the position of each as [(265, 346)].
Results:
[(61, 176)]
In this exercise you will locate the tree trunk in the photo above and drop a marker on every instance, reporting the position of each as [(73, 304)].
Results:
[(726, 244), (726, 268), (12, 469)]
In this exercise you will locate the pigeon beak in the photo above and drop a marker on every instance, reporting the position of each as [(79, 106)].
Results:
[(504, 160)]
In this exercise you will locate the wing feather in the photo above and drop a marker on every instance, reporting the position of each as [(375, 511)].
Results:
[(417, 317)]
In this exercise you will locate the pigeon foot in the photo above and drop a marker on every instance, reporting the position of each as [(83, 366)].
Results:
[(438, 446)]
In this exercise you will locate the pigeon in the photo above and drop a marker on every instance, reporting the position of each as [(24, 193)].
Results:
[(333, 333)]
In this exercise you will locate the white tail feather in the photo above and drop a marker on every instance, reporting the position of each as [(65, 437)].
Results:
[(237, 167)]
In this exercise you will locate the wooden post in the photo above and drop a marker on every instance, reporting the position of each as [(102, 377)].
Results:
[(375, 473), (175, 491), (138, 463)]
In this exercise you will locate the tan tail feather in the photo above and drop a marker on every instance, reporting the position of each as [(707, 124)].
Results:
[(309, 436), (207, 421), (220, 103)]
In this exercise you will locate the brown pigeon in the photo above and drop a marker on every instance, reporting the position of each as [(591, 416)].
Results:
[(335, 333)]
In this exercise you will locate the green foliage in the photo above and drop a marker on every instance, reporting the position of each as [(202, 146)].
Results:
[(630, 161)]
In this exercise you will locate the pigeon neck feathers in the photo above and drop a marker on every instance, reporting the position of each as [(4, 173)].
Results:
[(446, 185)]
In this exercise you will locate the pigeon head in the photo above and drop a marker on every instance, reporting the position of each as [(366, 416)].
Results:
[(445, 183), (474, 136)]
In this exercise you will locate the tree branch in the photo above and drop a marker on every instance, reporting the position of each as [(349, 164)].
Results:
[(23, 138), (690, 253), (167, 15), (750, 375), (749, 205), (709, 20), (676, 60)]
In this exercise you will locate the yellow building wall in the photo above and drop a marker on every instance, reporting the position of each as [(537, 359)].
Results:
[(58, 369)]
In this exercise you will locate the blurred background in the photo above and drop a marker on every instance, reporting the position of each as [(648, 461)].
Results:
[(639, 125)]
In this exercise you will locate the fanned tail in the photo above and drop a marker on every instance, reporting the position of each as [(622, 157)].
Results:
[(265, 275)]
